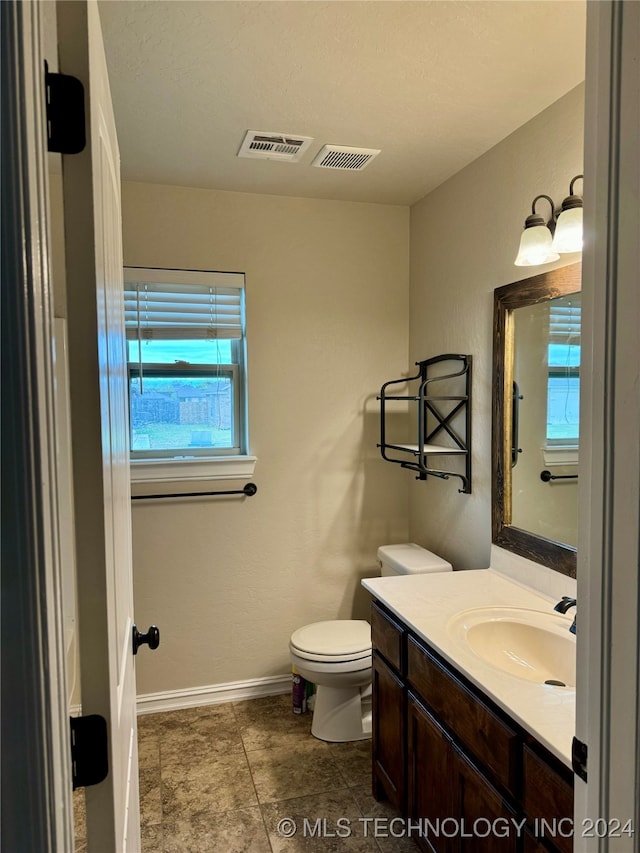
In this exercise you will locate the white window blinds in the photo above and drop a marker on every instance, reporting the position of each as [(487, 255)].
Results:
[(183, 304), (564, 322)]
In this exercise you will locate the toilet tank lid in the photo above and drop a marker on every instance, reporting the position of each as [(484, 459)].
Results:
[(412, 559)]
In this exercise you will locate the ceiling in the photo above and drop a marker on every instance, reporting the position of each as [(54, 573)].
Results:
[(432, 84)]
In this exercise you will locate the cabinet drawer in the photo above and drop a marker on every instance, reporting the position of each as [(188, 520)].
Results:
[(476, 726), (387, 636), (550, 796)]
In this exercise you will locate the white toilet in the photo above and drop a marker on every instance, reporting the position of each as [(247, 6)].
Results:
[(336, 655)]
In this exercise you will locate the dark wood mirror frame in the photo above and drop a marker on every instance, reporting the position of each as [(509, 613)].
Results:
[(530, 291)]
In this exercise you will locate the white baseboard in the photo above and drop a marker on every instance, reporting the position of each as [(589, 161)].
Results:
[(213, 694)]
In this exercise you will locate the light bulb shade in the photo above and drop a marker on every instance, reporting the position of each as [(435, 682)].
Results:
[(568, 236), (535, 247)]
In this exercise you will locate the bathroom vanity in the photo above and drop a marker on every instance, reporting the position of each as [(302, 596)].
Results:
[(473, 672), (476, 758)]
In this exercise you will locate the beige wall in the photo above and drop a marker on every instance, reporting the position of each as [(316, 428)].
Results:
[(464, 238), (327, 304)]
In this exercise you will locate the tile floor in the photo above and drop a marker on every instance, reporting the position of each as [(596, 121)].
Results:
[(221, 778)]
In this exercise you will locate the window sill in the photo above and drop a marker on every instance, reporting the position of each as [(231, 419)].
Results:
[(559, 455), (192, 470)]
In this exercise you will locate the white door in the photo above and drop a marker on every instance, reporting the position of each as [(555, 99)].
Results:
[(99, 426)]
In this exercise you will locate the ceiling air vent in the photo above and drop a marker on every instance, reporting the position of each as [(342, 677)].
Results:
[(344, 157), (263, 145)]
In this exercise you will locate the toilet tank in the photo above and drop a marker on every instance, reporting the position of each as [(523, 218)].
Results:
[(410, 559)]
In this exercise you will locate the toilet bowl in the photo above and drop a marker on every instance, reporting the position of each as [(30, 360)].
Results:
[(336, 655)]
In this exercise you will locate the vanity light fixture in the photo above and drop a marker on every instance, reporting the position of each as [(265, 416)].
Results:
[(543, 242), (536, 241), (568, 236)]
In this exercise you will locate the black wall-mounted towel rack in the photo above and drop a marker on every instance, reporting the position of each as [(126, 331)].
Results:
[(248, 491), (436, 413)]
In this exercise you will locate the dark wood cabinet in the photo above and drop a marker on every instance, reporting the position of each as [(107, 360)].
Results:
[(548, 796), (457, 808), (452, 761), (486, 821), (482, 732), (388, 732), (429, 765)]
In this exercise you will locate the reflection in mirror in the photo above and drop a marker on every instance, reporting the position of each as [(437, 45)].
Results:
[(546, 370), (535, 417)]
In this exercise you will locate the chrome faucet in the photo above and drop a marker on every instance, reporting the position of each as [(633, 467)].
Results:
[(563, 605)]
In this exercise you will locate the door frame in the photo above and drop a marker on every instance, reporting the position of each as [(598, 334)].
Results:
[(608, 694), (36, 763)]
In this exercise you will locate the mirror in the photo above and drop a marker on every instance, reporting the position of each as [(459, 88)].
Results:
[(535, 429)]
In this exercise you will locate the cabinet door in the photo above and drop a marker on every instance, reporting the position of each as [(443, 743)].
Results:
[(429, 767), (548, 795), (388, 735), (486, 824)]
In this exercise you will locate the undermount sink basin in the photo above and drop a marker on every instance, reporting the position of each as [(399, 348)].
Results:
[(530, 644)]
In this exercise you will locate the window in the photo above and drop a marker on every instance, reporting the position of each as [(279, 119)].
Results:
[(563, 384), (186, 364)]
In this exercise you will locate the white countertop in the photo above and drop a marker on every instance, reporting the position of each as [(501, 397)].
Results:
[(426, 603)]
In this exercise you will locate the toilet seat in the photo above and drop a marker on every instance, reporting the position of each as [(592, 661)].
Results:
[(335, 641)]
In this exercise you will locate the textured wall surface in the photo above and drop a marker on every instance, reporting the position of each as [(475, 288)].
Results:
[(464, 239), (327, 304)]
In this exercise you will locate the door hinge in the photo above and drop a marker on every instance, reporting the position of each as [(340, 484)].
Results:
[(64, 97), (89, 753), (579, 758)]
